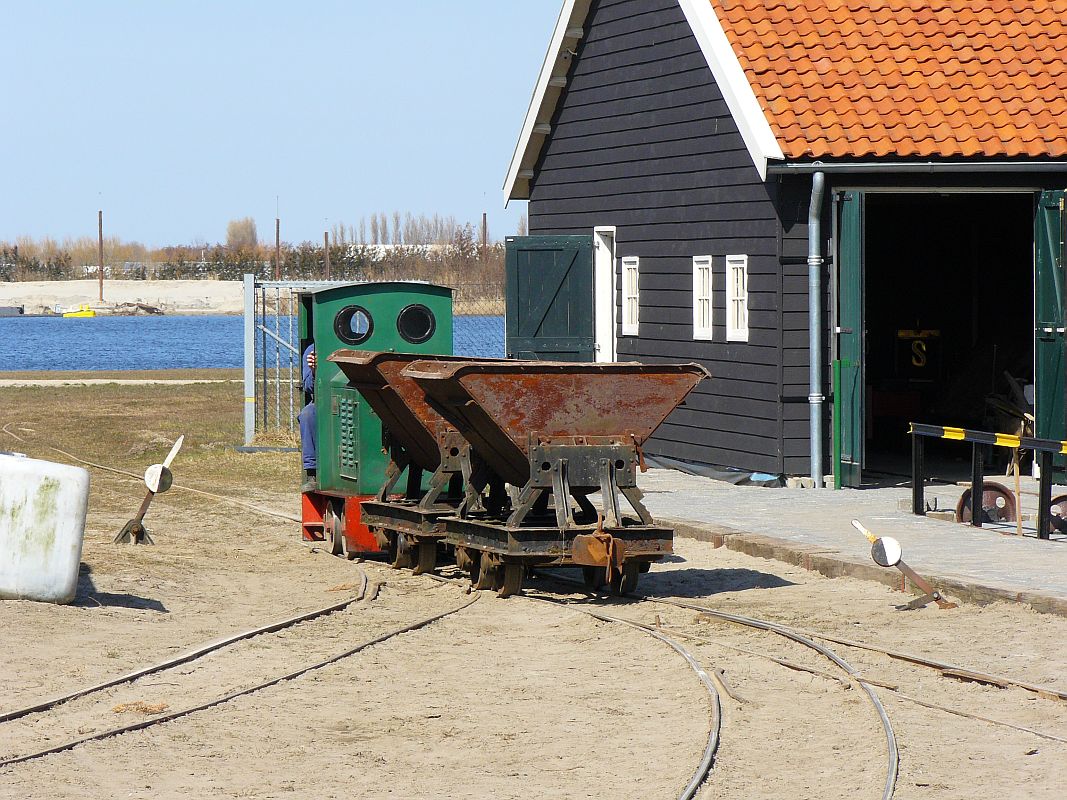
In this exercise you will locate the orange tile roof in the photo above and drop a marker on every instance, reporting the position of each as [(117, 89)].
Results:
[(912, 78)]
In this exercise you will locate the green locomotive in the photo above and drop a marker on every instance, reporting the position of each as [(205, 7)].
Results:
[(402, 316)]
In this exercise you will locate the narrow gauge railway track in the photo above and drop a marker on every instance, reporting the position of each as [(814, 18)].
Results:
[(811, 640), (192, 655), (892, 752), (205, 650), (707, 761), (895, 690)]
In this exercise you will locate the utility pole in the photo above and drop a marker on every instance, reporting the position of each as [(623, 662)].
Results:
[(277, 248), (100, 249), (485, 235), (326, 250)]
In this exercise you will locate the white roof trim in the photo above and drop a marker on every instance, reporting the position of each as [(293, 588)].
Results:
[(736, 90), (568, 26)]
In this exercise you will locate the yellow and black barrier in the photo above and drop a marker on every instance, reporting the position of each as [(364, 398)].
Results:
[(1043, 449)]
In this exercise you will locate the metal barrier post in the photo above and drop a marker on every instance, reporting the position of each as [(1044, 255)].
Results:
[(977, 487), (250, 359), (1044, 503), (918, 476)]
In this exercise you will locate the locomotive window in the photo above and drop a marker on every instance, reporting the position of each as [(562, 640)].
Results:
[(416, 323), (353, 325)]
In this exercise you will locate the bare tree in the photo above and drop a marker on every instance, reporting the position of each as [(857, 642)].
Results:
[(523, 226), (374, 237), (241, 234)]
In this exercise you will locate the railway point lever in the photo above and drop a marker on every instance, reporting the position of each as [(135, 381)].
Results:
[(886, 552), (158, 478)]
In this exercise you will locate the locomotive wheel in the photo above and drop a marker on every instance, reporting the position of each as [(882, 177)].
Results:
[(623, 583), (512, 580), (334, 538), (998, 504), (427, 556), (487, 573), (594, 577)]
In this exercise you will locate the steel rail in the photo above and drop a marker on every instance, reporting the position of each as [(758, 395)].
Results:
[(946, 669), (190, 655), (138, 726), (708, 759)]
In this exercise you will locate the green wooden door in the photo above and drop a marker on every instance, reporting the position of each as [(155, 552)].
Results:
[(848, 369), (549, 298), (1050, 345)]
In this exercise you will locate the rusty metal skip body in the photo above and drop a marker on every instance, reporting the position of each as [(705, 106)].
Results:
[(544, 433)]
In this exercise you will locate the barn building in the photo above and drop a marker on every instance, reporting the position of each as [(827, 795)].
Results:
[(745, 183)]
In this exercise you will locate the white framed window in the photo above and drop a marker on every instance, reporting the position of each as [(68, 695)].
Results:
[(702, 297), (737, 298), (631, 304)]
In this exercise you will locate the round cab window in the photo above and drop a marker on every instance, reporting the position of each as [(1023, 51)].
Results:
[(353, 325), (416, 323)]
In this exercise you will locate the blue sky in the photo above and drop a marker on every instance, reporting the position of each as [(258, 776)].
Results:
[(176, 117)]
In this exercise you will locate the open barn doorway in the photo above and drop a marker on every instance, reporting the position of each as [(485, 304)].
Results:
[(949, 322)]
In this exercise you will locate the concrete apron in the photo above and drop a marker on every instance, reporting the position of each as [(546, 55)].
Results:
[(811, 529), (836, 565)]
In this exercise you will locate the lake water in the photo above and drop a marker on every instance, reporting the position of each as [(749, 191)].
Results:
[(167, 342)]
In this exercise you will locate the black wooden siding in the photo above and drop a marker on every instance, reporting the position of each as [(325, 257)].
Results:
[(643, 140)]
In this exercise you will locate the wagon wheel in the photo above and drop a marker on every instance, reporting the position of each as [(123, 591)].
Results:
[(625, 582), (1058, 519), (427, 556), (334, 528), (511, 582), (473, 565), (998, 504), (401, 556), (594, 577), (487, 573)]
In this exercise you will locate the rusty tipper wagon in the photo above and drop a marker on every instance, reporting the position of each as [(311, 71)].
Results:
[(556, 433)]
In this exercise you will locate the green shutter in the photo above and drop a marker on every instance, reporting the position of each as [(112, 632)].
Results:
[(550, 298)]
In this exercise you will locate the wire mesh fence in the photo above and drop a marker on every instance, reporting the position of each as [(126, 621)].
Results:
[(272, 358)]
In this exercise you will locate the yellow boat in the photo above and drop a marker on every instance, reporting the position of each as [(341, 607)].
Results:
[(83, 311)]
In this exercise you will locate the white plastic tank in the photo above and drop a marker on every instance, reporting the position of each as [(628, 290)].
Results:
[(42, 526)]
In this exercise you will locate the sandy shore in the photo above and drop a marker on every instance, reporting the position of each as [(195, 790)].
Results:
[(171, 297)]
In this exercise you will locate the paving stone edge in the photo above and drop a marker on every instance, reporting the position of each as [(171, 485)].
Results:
[(834, 564)]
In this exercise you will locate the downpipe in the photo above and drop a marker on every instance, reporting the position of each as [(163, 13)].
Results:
[(815, 326)]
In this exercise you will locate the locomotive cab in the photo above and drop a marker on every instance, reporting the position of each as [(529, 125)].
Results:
[(399, 316)]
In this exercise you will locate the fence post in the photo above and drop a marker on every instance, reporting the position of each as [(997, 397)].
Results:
[(250, 358), (1044, 501), (977, 486), (918, 476)]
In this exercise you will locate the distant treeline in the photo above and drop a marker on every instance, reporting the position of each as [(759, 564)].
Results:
[(399, 248)]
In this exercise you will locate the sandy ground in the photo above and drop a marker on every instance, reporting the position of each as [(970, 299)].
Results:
[(509, 698), (172, 297), (506, 699)]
